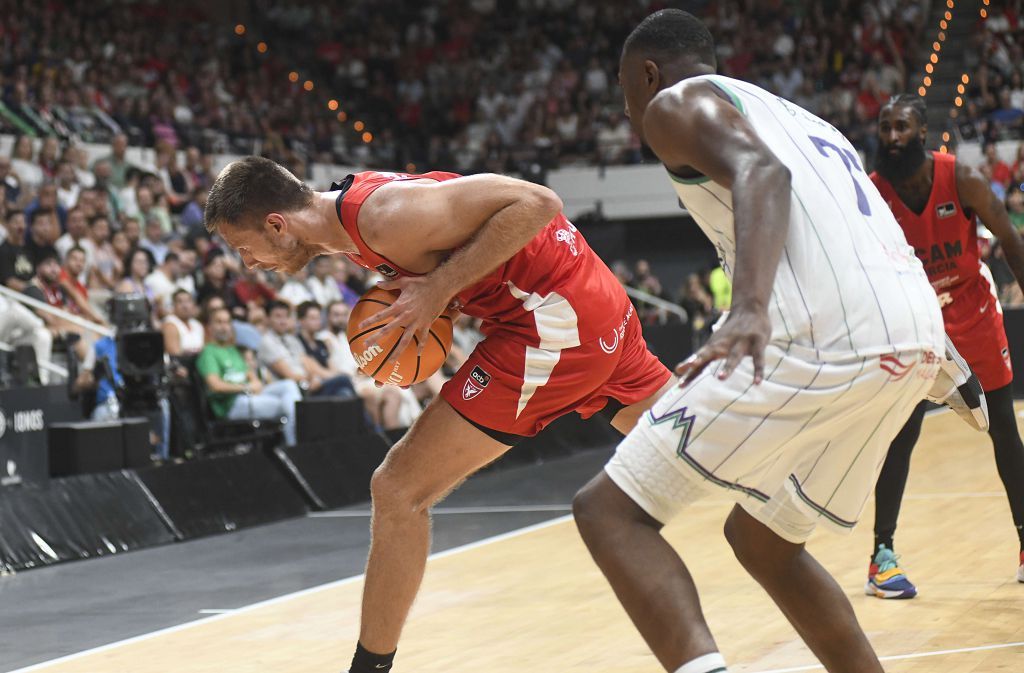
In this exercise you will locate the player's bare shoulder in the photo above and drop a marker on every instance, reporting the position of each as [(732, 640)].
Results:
[(972, 187), (679, 103), (387, 218)]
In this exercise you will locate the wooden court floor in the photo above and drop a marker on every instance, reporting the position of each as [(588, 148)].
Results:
[(535, 602)]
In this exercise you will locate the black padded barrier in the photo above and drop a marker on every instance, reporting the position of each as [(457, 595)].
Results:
[(223, 493), (77, 517), (333, 474)]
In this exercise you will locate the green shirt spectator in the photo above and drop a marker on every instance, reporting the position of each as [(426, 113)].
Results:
[(229, 365), (1015, 208)]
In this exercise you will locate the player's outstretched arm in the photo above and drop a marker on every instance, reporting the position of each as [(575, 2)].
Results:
[(691, 127), (976, 195), (485, 219)]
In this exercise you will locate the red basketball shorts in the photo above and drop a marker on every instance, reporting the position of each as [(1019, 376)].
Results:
[(986, 350), (515, 390)]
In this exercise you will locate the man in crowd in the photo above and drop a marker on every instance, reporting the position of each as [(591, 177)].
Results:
[(116, 161), (47, 200), (390, 407), (70, 273), (16, 266), (163, 281), (77, 235), (42, 234), (46, 287), (234, 389), (321, 281), (154, 239), (282, 353)]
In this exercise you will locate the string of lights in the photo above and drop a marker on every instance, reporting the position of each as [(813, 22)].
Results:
[(332, 104), (965, 79)]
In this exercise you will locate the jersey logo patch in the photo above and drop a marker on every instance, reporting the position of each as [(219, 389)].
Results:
[(894, 367), (475, 384), (386, 270), (944, 210)]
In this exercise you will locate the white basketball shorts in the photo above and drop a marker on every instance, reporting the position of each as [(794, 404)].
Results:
[(804, 446)]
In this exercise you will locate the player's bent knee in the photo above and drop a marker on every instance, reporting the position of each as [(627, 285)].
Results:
[(600, 505), (391, 495), (590, 508), (758, 549)]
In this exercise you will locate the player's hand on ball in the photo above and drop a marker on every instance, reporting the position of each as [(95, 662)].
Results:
[(745, 332), (417, 307)]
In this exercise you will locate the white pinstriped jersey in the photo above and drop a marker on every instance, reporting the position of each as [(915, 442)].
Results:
[(848, 285)]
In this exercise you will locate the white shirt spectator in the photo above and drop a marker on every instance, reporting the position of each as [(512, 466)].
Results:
[(192, 335), (163, 288), (596, 81), (325, 291), (68, 197), (294, 292), (287, 347), (787, 82), (30, 174), (342, 359), (613, 139)]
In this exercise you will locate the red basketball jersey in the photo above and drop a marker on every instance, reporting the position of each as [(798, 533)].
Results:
[(945, 238), (556, 265)]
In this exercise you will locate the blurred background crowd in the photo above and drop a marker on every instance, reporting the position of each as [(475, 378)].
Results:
[(413, 86)]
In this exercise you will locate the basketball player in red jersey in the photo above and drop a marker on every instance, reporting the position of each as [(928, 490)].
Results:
[(935, 199), (561, 333)]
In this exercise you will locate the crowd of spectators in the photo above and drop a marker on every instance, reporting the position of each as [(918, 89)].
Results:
[(1007, 183), (466, 85), (994, 96), (262, 339)]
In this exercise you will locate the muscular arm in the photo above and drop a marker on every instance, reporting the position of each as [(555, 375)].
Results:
[(492, 217), (489, 218), (692, 127), (976, 195)]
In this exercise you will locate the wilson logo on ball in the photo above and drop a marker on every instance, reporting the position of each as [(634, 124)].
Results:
[(366, 357)]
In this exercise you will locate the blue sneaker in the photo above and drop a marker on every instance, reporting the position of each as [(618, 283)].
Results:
[(885, 579)]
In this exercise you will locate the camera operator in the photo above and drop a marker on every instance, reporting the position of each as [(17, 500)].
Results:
[(130, 377)]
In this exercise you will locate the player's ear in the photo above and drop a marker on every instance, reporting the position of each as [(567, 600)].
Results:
[(275, 224), (652, 76), (923, 132)]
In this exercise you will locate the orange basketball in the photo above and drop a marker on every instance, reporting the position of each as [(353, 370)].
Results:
[(370, 355)]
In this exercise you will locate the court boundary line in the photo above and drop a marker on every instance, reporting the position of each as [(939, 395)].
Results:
[(204, 621), (540, 509), (898, 657), (496, 509)]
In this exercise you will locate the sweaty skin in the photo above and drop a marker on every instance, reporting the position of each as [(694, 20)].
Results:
[(693, 129)]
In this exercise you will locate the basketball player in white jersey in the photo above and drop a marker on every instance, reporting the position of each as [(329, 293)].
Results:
[(833, 338)]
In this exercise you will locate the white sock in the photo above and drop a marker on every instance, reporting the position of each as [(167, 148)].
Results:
[(706, 663)]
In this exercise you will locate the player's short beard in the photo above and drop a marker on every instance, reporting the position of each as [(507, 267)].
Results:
[(901, 166), (297, 257)]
